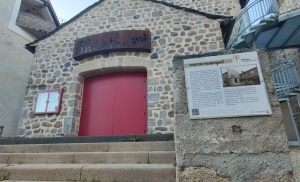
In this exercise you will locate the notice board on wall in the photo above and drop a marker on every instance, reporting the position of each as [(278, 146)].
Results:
[(226, 86)]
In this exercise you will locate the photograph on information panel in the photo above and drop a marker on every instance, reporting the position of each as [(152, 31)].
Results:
[(226, 86)]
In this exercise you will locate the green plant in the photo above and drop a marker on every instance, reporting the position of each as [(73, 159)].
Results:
[(20, 162), (98, 162), (4, 176), (14, 142), (181, 168), (135, 138), (71, 180), (122, 140), (168, 139), (73, 162)]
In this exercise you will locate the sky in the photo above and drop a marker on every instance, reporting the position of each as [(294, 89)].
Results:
[(66, 9)]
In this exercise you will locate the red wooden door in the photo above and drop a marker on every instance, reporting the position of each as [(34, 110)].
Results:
[(114, 104)]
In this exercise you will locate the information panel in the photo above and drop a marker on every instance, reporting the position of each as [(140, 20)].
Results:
[(226, 86)]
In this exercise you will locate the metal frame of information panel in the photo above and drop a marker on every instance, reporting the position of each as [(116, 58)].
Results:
[(293, 121)]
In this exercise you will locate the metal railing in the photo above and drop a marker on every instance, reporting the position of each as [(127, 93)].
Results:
[(35, 22), (285, 77), (250, 15), (256, 11)]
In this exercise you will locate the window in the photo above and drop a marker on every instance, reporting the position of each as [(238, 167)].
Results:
[(48, 101)]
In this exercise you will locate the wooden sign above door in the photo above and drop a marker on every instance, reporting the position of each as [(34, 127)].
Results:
[(118, 41)]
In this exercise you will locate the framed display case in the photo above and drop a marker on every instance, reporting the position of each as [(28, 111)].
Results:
[(48, 101)]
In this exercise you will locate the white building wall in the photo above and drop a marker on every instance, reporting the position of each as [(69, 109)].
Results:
[(15, 66)]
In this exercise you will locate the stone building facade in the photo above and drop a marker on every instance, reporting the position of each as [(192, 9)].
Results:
[(174, 31)]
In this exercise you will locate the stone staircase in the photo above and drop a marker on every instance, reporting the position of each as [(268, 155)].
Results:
[(103, 162)]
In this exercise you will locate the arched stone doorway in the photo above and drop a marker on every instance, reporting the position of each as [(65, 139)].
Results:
[(102, 67)]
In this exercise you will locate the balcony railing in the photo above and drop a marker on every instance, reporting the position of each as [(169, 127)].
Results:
[(285, 78), (35, 22), (256, 11)]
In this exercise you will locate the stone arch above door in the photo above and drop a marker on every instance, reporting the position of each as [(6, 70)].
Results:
[(101, 65)]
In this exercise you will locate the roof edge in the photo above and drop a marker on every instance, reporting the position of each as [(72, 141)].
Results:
[(29, 45), (52, 12), (189, 10)]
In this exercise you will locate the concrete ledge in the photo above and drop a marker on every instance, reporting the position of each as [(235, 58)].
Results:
[(44, 172), (96, 172), (111, 157), (79, 147), (162, 157), (90, 147), (92, 139), (38, 148), (142, 146), (52, 158), (129, 172)]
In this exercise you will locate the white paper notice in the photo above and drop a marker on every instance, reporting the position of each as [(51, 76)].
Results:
[(226, 86)]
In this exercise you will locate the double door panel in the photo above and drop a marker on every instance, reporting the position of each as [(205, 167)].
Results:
[(114, 104)]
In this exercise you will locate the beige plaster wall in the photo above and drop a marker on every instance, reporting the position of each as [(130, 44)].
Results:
[(14, 70), (173, 32)]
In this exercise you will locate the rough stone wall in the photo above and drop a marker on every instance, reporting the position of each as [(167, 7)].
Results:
[(173, 31), (216, 7), (277, 56), (295, 157), (288, 7), (15, 66), (258, 152)]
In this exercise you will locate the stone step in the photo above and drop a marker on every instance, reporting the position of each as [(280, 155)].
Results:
[(156, 157), (29, 181), (89, 147), (91, 172)]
